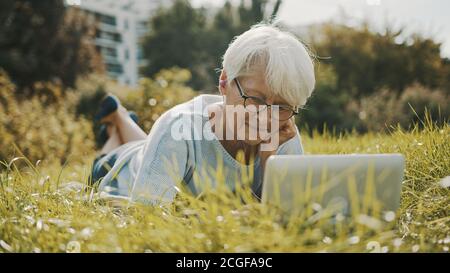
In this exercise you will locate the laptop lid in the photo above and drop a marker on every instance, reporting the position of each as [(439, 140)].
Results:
[(349, 184)]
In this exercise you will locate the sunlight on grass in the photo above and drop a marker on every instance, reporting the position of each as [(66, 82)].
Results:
[(43, 209)]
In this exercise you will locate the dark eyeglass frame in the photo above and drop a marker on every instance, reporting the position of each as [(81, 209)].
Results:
[(295, 112)]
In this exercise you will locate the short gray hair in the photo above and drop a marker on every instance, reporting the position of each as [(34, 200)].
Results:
[(289, 68)]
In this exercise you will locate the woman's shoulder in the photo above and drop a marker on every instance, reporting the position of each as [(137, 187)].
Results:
[(196, 106), (184, 121)]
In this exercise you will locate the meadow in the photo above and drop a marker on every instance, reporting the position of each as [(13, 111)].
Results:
[(47, 207), (53, 77)]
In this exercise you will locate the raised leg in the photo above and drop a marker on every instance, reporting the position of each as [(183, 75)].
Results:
[(113, 141), (127, 129)]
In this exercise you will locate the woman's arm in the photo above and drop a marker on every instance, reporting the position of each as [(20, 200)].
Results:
[(291, 145), (162, 166)]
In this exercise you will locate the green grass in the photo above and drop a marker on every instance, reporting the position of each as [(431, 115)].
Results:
[(39, 213)]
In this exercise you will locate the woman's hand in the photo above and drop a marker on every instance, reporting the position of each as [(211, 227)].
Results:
[(286, 132)]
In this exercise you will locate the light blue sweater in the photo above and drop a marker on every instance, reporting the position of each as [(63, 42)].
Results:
[(149, 170)]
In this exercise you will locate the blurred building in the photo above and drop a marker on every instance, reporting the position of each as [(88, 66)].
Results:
[(121, 27)]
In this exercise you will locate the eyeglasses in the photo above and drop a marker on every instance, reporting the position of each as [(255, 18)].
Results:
[(257, 105)]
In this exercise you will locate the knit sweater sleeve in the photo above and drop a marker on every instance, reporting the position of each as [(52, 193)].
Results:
[(162, 167)]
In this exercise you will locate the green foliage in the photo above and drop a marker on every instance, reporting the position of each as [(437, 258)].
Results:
[(385, 108), (372, 81), (183, 36), (149, 100), (42, 127), (329, 109), (43, 41), (58, 125), (367, 83), (176, 39), (44, 210), (158, 94), (326, 107), (365, 61)]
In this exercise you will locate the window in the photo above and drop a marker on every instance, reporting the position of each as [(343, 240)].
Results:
[(109, 36), (110, 52), (140, 54), (109, 20), (114, 68)]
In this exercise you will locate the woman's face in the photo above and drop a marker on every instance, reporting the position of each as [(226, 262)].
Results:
[(254, 125)]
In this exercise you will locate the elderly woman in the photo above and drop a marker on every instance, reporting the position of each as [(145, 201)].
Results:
[(266, 72)]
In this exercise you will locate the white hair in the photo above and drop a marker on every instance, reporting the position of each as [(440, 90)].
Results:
[(289, 69)]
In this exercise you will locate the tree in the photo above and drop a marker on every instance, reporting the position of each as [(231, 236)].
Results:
[(371, 80), (258, 11), (231, 21), (176, 39), (366, 61), (182, 36), (44, 41)]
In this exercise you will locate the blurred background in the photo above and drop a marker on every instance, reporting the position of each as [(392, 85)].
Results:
[(379, 63)]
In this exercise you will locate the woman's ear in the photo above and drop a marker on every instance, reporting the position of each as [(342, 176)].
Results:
[(223, 82)]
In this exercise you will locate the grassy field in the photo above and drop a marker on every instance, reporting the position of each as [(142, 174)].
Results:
[(43, 210)]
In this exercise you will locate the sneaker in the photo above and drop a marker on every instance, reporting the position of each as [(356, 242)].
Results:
[(103, 136), (108, 105)]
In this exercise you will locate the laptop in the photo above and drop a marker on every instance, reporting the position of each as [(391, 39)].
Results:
[(346, 184)]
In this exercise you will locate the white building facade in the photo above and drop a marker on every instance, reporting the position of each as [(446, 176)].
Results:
[(121, 27)]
